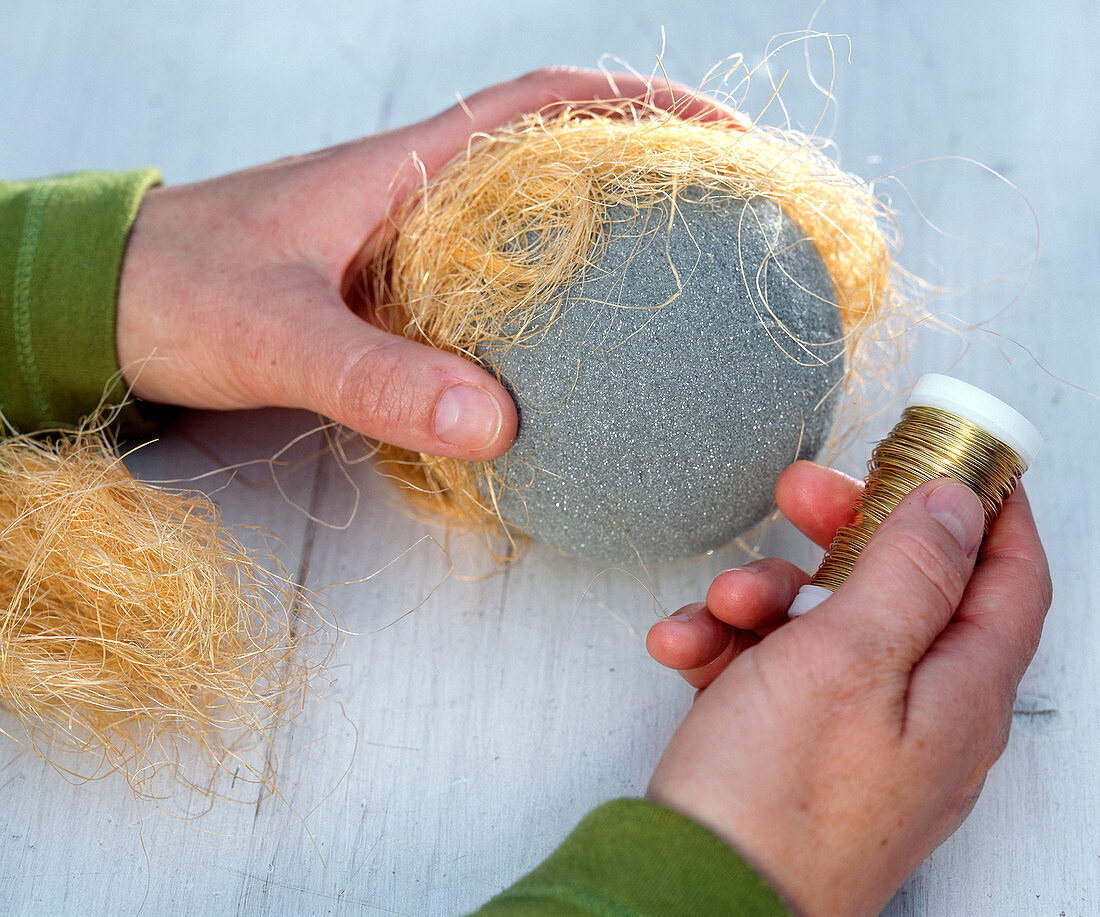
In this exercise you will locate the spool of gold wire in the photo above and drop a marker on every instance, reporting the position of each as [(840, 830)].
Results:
[(949, 429)]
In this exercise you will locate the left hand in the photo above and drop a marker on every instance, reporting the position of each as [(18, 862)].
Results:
[(232, 291)]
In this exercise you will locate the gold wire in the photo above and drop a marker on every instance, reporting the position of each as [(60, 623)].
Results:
[(926, 444)]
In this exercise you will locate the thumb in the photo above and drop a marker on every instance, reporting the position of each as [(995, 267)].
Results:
[(398, 391), (910, 578)]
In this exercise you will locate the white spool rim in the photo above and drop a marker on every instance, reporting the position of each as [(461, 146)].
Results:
[(980, 408), (808, 598)]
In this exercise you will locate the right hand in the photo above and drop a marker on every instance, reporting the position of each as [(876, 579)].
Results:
[(836, 751)]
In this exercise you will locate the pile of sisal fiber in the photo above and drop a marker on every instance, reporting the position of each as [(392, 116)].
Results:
[(132, 625)]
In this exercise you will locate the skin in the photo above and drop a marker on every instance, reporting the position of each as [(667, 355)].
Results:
[(871, 721), (836, 751), (233, 290)]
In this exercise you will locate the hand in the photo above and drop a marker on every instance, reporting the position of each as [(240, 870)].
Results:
[(836, 751), (747, 603), (235, 287)]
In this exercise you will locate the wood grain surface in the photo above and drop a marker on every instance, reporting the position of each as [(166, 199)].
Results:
[(449, 752)]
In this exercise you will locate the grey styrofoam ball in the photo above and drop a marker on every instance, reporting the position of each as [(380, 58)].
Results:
[(694, 359)]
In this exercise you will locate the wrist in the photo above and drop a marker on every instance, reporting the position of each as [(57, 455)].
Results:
[(137, 325)]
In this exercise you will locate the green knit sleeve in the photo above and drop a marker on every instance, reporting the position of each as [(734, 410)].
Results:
[(634, 858), (61, 246)]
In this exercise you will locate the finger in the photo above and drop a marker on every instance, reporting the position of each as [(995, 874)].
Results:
[(440, 138), (339, 189), (701, 676), (983, 652), (390, 388), (816, 499), (757, 595), (688, 638), (697, 644), (910, 578), (551, 86), (1010, 594)]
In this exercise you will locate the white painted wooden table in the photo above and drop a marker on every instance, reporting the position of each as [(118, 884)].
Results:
[(453, 750)]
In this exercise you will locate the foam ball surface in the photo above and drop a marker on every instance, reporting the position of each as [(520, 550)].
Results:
[(696, 356)]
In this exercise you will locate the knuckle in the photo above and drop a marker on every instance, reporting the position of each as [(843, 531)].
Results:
[(998, 741), (1031, 585), (1039, 576), (991, 737), (546, 76), (1033, 573), (1031, 632), (994, 706), (918, 561), (548, 86), (371, 389)]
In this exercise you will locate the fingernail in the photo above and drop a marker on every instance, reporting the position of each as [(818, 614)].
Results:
[(468, 417), (686, 614), (959, 511)]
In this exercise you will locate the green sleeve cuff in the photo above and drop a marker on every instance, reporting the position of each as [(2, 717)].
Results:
[(61, 246), (634, 858)]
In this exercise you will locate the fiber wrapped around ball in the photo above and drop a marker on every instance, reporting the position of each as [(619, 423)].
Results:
[(665, 390), (677, 306)]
